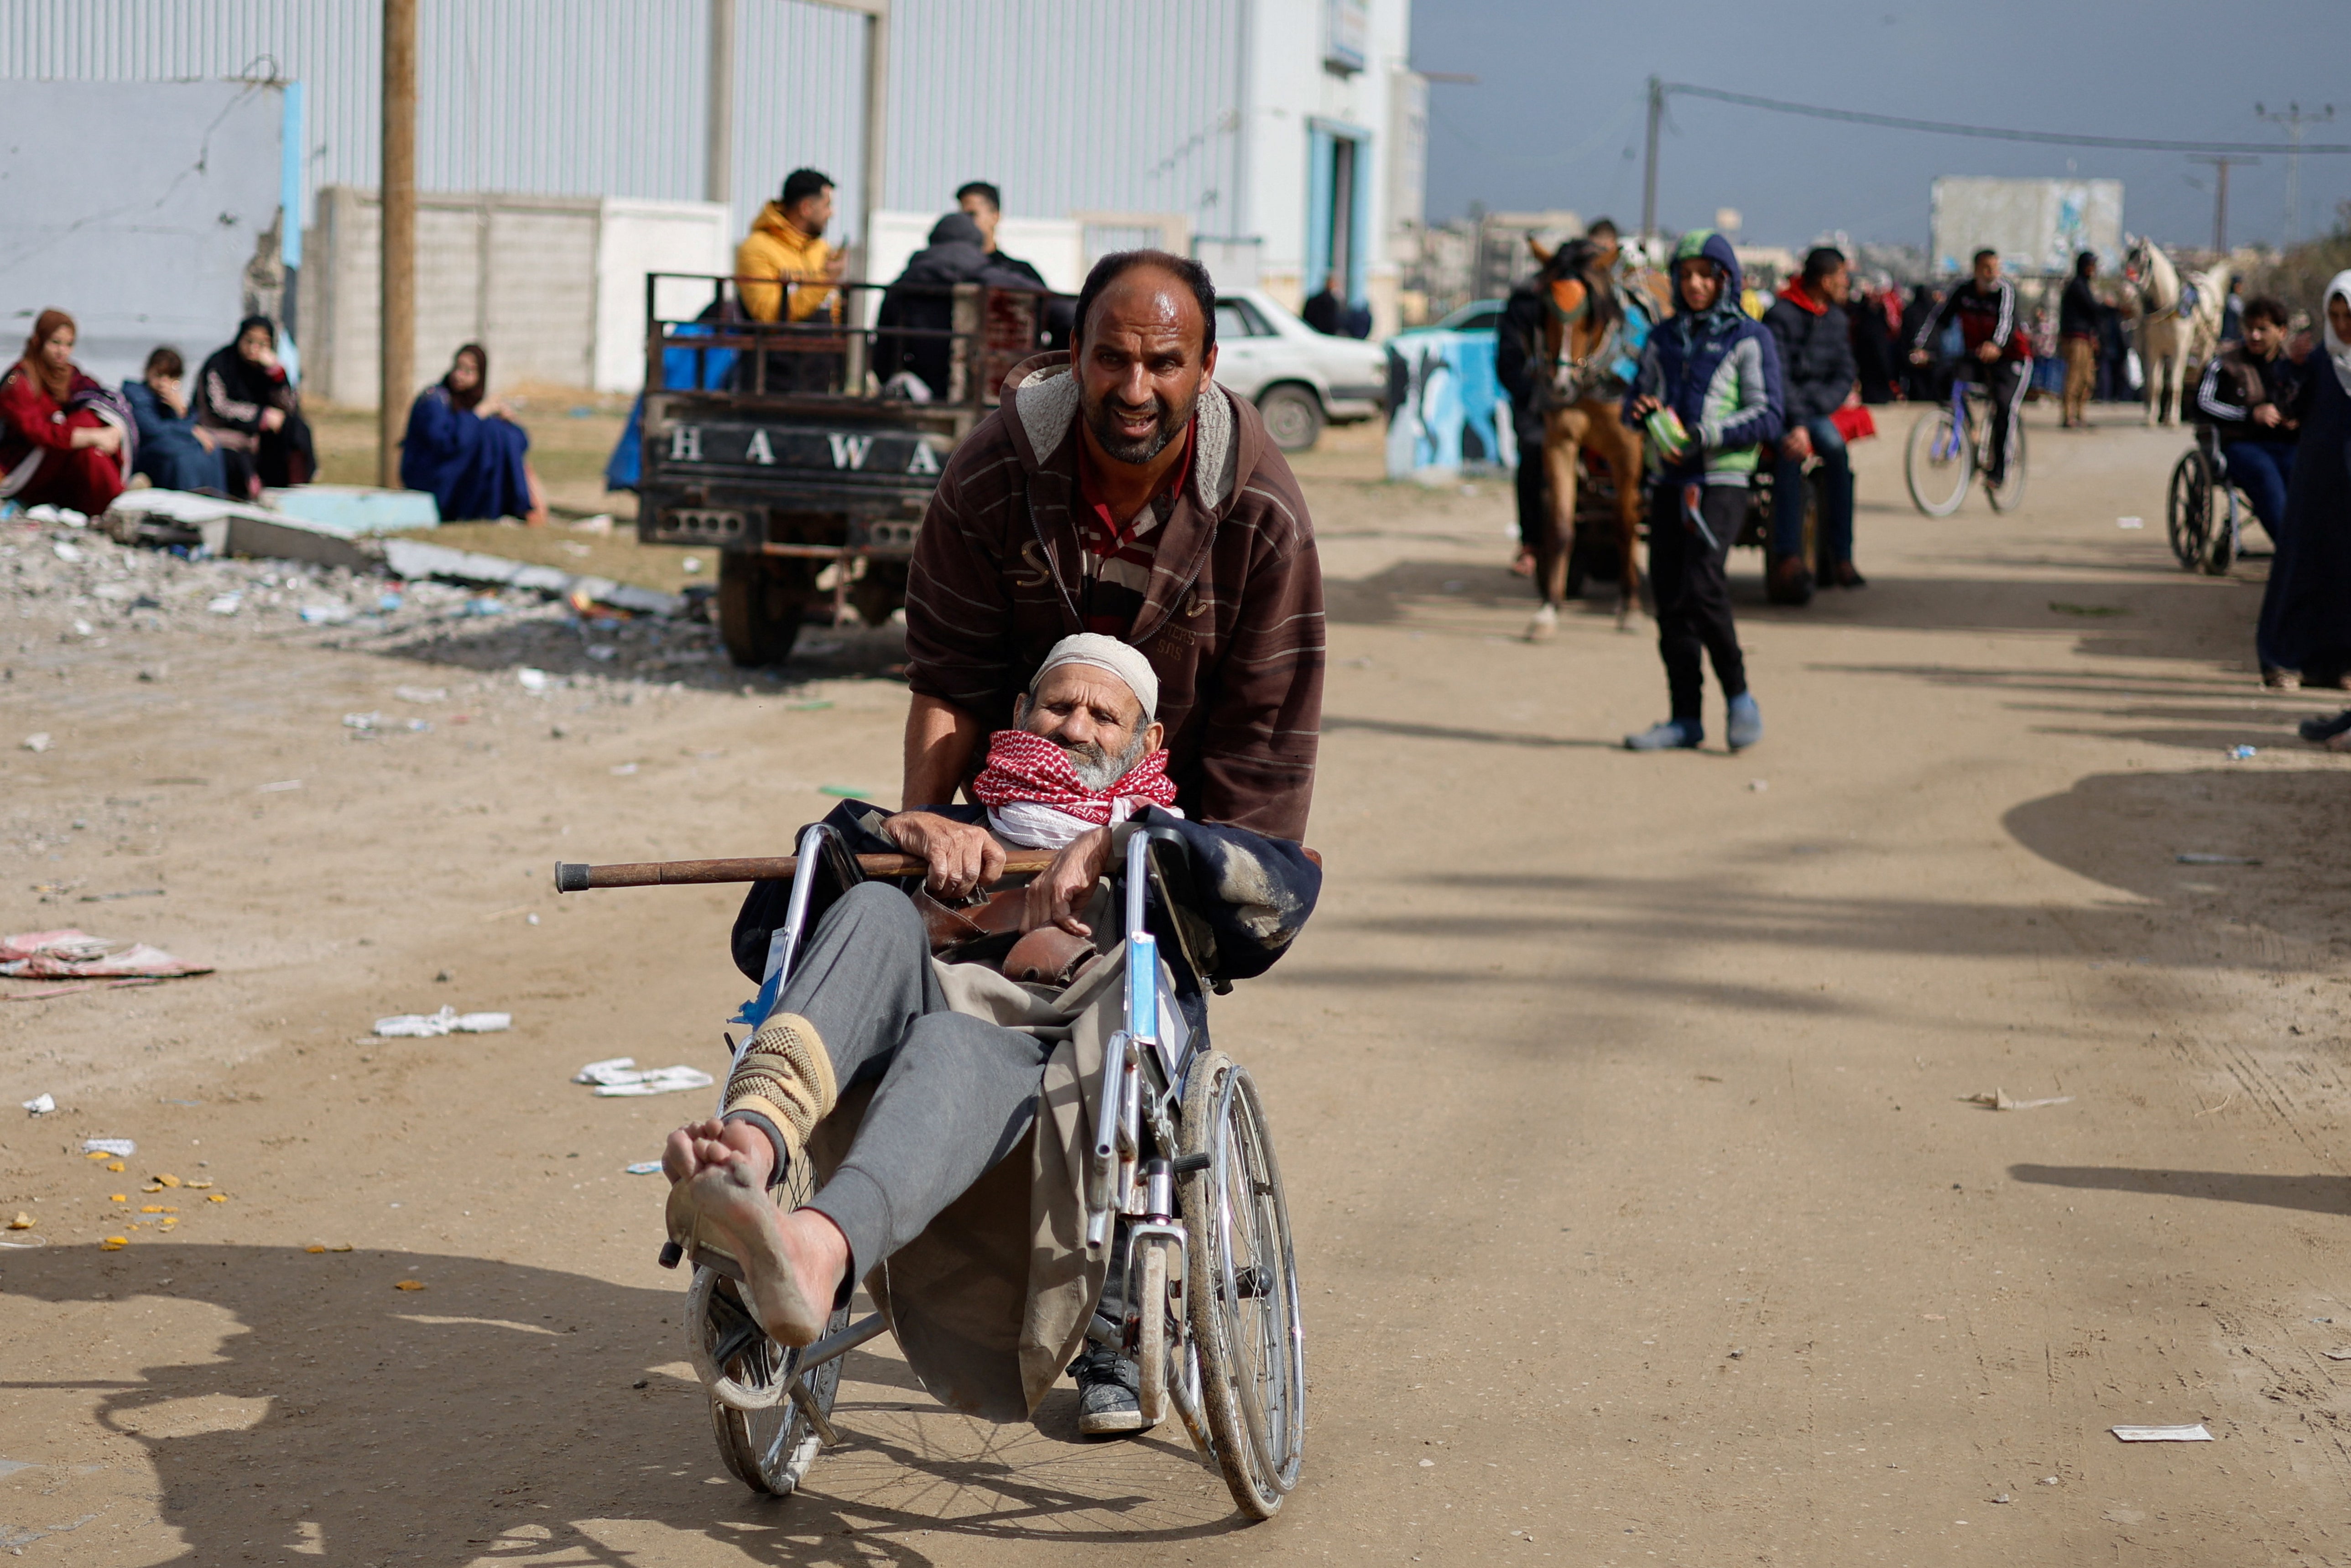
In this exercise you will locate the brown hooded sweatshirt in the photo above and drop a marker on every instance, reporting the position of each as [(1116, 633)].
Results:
[(1232, 619)]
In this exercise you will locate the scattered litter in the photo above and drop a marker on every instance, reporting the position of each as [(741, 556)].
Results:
[(76, 955), (165, 1179), (2130, 523), (68, 553), (2193, 858), (2196, 1434), (38, 741), (2002, 1498), (620, 1076), (225, 603), (131, 893), (622, 770), (280, 786), (604, 650), (844, 791), (325, 614), (449, 1021), (114, 1244), (1997, 1100), (362, 721), (1759, 785), (2344, 1353), (41, 1104), (644, 1167), (422, 694), (2243, 753), (690, 565), (408, 1284), (532, 680), (419, 726), (1428, 1464), (602, 523), (121, 1148)]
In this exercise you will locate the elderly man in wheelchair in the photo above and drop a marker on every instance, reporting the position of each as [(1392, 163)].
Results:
[(1005, 1106)]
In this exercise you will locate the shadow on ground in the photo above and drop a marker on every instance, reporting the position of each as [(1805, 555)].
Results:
[(2311, 1194), (504, 1411)]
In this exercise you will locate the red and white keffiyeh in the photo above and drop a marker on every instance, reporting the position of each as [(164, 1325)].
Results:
[(1035, 799)]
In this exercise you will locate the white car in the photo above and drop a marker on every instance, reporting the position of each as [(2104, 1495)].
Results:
[(1298, 378)]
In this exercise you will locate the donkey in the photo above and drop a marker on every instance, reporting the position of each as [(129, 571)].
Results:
[(1581, 396)]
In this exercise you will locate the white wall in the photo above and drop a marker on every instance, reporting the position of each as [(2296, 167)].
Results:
[(552, 286), (134, 207)]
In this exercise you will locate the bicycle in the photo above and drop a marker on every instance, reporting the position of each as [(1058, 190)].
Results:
[(1948, 448)]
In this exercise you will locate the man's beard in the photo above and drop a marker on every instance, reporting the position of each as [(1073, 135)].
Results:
[(1171, 424), (1097, 769)]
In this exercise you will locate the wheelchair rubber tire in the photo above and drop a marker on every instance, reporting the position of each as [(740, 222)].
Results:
[(770, 1450), (1246, 1326), (2187, 510), (1928, 478), (1149, 1286)]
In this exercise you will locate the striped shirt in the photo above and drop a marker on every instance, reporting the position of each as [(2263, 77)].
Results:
[(1118, 556)]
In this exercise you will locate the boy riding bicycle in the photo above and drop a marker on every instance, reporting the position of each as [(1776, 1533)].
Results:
[(2003, 359)]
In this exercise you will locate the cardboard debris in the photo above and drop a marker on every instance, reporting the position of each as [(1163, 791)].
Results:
[(414, 559), (70, 955), (449, 1021), (2195, 1434), (1997, 1100), (620, 1076)]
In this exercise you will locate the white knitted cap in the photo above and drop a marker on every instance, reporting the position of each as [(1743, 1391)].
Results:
[(1107, 654)]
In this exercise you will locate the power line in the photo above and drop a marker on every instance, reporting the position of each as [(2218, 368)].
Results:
[(1991, 132)]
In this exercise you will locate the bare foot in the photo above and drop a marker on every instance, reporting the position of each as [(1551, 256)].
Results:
[(791, 1264)]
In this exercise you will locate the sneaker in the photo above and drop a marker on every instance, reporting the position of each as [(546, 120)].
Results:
[(1674, 735), (1107, 1402), (1746, 725), (1544, 625)]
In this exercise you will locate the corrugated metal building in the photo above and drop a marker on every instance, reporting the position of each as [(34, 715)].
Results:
[(1264, 125)]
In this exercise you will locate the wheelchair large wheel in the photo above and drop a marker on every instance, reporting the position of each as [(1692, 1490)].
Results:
[(770, 1447), (1937, 464), (2188, 513), (2009, 494), (1246, 1326)]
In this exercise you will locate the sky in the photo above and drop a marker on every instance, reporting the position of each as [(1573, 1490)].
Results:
[(1557, 116)]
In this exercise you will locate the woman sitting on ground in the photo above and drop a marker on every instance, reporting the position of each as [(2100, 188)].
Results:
[(175, 453), (251, 408), (468, 451), (65, 441)]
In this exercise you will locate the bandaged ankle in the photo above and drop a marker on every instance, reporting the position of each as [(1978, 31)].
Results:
[(784, 1078)]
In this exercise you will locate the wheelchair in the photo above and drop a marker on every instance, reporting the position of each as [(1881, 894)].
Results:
[(2205, 513), (1181, 1180)]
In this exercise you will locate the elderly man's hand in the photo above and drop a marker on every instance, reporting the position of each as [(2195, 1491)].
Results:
[(1056, 897), (964, 856)]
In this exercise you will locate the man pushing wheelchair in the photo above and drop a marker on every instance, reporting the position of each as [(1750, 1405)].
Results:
[(1114, 625)]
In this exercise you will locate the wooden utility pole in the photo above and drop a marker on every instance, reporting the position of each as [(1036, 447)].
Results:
[(396, 350), (718, 148), (2221, 167), (1649, 167)]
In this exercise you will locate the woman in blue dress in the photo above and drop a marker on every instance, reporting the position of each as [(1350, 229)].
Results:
[(468, 451)]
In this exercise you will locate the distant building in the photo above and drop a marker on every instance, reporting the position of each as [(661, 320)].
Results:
[(1279, 140)]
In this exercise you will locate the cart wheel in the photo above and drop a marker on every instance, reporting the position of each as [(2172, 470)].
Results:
[(768, 1448), (2187, 514), (2009, 494), (759, 613), (1151, 1339), (1938, 464), (1245, 1323)]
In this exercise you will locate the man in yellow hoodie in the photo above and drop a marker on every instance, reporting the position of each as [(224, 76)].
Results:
[(787, 245)]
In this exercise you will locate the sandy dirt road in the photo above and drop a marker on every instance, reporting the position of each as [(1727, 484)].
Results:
[(1620, 1099)]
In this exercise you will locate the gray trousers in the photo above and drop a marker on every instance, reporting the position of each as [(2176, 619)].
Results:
[(957, 1094)]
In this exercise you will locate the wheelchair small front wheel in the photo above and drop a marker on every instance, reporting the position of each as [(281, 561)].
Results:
[(764, 1437), (1247, 1325)]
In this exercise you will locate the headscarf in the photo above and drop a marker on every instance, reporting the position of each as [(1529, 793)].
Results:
[(1034, 798), (469, 400), (241, 379), (2337, 349), (56, 384)]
